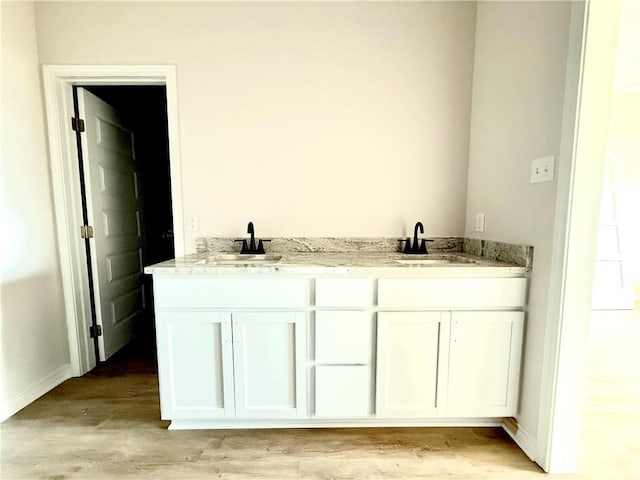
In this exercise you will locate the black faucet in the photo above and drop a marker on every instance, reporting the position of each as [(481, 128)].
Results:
[(251, 231), (418, 247), (251, 248)]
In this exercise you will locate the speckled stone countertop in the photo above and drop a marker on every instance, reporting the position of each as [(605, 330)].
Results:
[(343, 263)]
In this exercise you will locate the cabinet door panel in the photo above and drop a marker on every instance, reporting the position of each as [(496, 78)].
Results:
[(411, 363), (484, 363), (269, 364), (196, 372), (343, 391)]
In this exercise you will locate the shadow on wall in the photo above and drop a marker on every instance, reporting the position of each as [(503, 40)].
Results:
[(28, 349)]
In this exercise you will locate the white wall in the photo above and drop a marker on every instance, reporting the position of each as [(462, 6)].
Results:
[(317, 119), (516, 116), (34, 353)]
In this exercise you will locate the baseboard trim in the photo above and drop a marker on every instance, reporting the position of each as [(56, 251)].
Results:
[(11, 406), (522, 438), (321, 423)]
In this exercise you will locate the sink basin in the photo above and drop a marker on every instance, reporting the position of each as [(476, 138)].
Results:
[(435, 260), (243, 259), (425, 262)]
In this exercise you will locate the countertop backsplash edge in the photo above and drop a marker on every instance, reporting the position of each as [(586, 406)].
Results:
[(521, 255)]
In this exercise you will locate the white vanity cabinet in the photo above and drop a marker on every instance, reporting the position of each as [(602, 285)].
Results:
[(388, 347), (462, 362), (231, 348)]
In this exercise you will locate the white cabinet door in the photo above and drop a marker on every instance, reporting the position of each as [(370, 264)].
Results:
[(411, 364), (269, 351), (484, 365), (195, 365)]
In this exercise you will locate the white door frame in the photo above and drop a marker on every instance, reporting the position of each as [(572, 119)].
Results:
[(58, 82), (587, 103)]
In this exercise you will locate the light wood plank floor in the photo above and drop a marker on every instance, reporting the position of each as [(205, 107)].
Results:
[(106, 426), (610, 440)]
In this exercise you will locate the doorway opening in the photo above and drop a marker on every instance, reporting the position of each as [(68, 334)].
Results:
[(126, 188), (610, 420), (59, 82)]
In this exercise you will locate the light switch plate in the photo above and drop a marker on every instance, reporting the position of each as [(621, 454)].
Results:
[(479, 222), (542, 169)]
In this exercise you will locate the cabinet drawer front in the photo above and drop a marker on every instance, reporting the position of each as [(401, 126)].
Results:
[(181, 292), (343, 337), (344, 292), (343, 391), (451, 293)]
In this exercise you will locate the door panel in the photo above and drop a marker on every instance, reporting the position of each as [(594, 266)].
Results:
[(195, 365), (484, 365), (114, 207), (122, 265), (126, 305), (269, 364), (411, 363)]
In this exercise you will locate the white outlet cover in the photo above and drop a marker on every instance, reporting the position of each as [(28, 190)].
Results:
[(479, 222), (194, 223), (542, 169)]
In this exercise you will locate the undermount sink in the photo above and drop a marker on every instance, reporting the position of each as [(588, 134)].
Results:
[(424, 262), (435, 260), (242, 258)]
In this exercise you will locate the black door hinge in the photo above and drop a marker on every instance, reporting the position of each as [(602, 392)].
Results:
[(77, 124), (95, 331)]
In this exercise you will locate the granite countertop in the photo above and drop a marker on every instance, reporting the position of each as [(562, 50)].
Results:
[(343, 263)]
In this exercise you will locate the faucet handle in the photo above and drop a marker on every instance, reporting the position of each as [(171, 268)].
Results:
[(423, 245), (407, 244), (260, 249), (245, 247)]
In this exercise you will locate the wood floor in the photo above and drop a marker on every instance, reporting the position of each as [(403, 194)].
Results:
[(106, 425), (610, 440)]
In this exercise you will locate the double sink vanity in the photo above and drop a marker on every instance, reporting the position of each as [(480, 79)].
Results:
[(338, 338)]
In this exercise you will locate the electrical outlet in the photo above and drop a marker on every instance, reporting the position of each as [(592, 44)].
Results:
[(542, 169), (479, 222), (194, 223)]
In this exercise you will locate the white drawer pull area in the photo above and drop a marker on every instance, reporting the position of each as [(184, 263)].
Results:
[(451, 293), (224, 292), (344, 292)]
